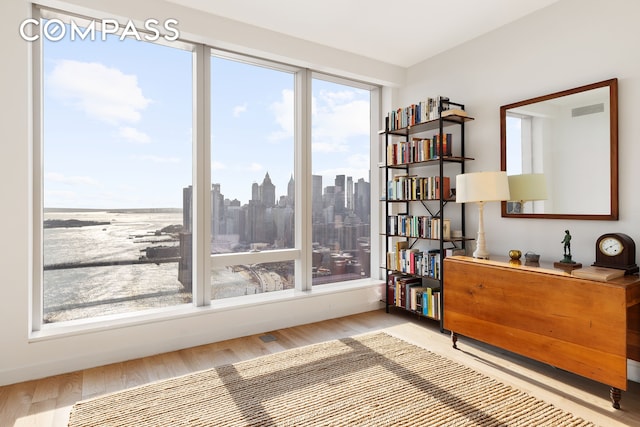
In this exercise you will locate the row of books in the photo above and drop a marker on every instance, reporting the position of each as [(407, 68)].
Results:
[(419, 149), (419, 226), (415, 113), (413, 187), (414, 261), (407, 292)]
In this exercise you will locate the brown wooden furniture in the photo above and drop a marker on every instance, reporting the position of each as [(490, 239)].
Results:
[(583, 326)]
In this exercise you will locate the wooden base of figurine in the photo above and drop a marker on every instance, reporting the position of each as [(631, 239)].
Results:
[(567, 266)]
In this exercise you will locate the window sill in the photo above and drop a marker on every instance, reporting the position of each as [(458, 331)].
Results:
[(105, 323)]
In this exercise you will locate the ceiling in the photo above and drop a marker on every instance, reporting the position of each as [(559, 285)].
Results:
[(400, 33)]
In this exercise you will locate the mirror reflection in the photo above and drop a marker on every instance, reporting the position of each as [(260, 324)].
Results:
[(561, 152)]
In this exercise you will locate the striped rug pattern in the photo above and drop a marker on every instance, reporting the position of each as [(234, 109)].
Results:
[(368, 380)]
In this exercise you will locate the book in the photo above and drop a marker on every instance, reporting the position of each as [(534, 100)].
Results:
[(446, 187), (399, 248), (416, 113), (446, 229), (454, 112), (402, 292), (443, 147), (601, 274)]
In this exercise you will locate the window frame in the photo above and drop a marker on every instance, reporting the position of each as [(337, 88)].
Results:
[(36, 289), (203, 261)]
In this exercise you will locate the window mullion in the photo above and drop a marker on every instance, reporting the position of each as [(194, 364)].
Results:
[(37, 297), (303, 168), (202, 176)]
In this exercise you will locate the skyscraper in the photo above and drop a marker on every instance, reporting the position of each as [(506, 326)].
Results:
[(268, 192), (291, 192), (339, 194), (217, 210), (316, 197)]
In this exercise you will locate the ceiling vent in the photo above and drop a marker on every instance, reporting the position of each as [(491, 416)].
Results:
[(589, 109)]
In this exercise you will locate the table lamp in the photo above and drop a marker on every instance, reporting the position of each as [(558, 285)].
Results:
[(481, 187), (527, 187)]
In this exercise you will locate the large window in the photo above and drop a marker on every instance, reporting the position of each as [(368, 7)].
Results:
[(341, 191), (172, 173), (116, 155), (252, 173)]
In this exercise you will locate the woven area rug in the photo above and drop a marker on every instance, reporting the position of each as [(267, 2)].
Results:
[(370, 380)]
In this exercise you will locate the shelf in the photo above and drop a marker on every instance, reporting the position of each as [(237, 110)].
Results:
[(417, 313), (416, 200), (451, 240), (435, 279), (428, 125), (447, 159)]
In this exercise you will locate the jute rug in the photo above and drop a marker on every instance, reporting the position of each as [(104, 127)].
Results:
[(371, 380)]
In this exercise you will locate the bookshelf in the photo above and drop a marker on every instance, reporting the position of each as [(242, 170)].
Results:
[(424, 150)]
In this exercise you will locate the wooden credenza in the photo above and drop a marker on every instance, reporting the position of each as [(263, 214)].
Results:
[(583, 326)]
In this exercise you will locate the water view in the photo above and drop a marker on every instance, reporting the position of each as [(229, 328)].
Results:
[(78, 283)]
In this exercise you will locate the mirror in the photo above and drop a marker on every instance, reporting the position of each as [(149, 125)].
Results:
[(571, 137)]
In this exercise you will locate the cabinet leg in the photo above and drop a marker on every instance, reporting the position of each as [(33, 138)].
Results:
[(454, 340), (616, 395)]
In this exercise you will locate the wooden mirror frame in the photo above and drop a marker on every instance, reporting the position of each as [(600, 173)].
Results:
[(612, 84)]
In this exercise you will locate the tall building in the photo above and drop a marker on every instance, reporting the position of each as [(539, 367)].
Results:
[(255, 192), (316, 197), (339, 194), (349, 191), (255, 229), (291, 192), (217, 211), (268, 192), (187, 207), (362, 199)]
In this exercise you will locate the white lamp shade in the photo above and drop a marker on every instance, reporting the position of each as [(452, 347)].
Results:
[(527, 187), (482, 187)]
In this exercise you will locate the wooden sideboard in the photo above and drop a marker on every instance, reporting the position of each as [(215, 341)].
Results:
[(583, 326)]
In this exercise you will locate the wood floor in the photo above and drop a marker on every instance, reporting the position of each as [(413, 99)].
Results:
[(48, 401)]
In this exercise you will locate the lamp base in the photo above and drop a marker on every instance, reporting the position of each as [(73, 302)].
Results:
[(479, 254), (481, 251)]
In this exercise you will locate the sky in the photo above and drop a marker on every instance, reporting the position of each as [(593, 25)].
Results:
[(118, 125)]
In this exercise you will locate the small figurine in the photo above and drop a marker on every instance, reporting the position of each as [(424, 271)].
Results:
[(567, 245), (567, 264)]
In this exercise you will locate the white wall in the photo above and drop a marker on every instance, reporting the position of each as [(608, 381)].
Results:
[(24, 358), (569, 44)]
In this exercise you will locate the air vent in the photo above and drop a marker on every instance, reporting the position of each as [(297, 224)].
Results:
[(268, 338), (588, 109)]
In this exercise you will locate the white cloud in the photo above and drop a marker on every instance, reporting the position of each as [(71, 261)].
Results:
[(337, 116), (158, 159), (133, 135), (334, 98), (337, 145), (239, 109), (218, 166), (357, 166), (255, 167), (69, 180), (283, 112), (104, 93)]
